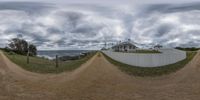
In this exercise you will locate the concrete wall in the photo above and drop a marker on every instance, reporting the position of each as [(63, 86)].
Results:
[(168, 56)]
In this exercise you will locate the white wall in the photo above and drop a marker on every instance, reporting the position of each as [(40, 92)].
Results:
[(168, 56)]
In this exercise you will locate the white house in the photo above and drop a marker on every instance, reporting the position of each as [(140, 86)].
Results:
[(157, 47), (124, 47)]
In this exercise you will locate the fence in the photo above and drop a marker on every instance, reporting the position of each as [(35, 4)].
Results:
[(168, 56)]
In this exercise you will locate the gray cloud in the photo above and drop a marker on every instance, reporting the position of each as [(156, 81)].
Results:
[(87, 26), (28, 7), (171, 8), (163, 29), (53, 30)]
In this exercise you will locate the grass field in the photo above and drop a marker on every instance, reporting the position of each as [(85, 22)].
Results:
[(41, 65), (152, 71)]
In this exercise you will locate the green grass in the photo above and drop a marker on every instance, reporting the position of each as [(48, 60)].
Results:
[(42, 65), (188, 49), (152, 71)]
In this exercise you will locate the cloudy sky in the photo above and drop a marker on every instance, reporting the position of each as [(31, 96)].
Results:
[(88, 24)]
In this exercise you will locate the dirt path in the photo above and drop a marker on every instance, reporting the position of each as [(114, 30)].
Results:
[(98, 80)]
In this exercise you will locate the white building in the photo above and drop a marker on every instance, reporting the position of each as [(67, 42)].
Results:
[(124, 47), (157, 47)]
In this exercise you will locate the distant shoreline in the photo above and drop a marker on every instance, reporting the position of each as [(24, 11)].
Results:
[(51, 54)]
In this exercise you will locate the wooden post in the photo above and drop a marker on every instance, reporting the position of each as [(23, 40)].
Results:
[(28, 58), (28, 55), (56, 61)]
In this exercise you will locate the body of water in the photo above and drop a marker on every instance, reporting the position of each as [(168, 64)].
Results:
[(51, 54)]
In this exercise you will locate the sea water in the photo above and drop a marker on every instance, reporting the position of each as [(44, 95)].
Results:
[(51, 54)]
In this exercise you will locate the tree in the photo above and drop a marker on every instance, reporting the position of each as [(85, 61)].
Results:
[(20, 46), (32, 50)]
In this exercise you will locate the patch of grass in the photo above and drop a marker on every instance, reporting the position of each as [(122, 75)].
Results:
[(188, 49), (42, 65), (152, 71), (99, 55)]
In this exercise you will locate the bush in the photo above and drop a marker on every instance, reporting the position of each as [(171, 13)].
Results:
[(11, 53)]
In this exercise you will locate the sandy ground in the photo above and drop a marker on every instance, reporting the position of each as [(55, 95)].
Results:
[(98, 80)]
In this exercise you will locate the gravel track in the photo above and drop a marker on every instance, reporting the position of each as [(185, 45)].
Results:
[(98, 79)]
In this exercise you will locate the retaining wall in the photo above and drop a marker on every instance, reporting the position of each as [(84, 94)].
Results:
[(168, 56)]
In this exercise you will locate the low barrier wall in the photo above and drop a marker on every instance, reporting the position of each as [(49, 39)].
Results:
[(168, 56)]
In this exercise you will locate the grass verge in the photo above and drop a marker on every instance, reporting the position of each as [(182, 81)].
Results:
[(42, 65), (152, 71)]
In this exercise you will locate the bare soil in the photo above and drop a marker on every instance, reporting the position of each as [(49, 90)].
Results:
[(98, 80)]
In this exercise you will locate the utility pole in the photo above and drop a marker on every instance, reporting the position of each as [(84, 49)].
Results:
[(105, 45)]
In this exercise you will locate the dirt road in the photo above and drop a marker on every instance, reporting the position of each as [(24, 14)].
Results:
[(98, 80)]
